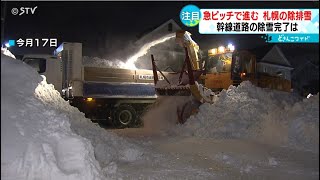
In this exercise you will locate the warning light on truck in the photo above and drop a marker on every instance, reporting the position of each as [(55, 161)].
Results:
[(89, 99)]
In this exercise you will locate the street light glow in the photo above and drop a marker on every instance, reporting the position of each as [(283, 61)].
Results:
[(231, 47), (221, 49), (213, 51)]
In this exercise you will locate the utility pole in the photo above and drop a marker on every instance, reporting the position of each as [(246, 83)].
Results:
[(3, 17)]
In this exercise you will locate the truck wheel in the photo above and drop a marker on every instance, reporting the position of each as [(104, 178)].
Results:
[(124, 116), (188, 109)]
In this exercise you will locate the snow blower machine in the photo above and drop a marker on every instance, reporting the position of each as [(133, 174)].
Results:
[(200, 79)]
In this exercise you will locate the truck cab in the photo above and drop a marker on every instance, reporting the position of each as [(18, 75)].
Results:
[(47, 65)]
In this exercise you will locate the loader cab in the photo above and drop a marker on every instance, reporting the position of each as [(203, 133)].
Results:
[(228, 68), (47, 65), (219, 59), (218, 70), (220, 63), (243, 65)]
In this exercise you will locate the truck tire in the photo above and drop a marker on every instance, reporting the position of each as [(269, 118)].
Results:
[(124, 116), (188, 109)]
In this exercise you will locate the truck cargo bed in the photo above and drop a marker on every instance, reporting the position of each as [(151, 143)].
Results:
[(118, 90), (100, 74)]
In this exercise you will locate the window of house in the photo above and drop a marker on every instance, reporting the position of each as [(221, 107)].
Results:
[(279, 73), (39, 64), (170, 27), (264, 69)]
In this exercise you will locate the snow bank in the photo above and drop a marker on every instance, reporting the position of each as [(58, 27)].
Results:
[(43, 137), (303, 127), (108, 147), (36, 140), (6, 52), (265, 115), (98, 62)]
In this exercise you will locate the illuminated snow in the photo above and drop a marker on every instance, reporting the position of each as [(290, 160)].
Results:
[(130, 63)]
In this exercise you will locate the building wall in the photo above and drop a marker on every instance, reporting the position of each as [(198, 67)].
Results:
[(274, 69)]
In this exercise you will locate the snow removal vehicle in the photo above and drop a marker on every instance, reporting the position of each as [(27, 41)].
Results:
[(202, 79), (103, 94)]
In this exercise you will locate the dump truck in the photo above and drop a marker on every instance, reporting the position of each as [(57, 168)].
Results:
[(104, 94), (200, 81)]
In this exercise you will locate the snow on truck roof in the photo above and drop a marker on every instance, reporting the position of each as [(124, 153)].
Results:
[(60, 48), (39, 56)]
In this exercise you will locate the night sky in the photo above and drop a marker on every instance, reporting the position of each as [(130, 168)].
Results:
[(97, 23)]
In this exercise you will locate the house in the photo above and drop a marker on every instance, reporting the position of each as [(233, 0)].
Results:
[(158, 31), (275, 63), (296, 62)]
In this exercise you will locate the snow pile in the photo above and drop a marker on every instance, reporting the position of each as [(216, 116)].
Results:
[(206, 93), (43, 137), (98, 62), (251, 112), (6, 52), (234, 112), (109, 149), (304, 125), (37, 142), (103, 141)]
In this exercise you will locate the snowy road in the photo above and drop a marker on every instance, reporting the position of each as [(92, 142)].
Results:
[(208, 158)]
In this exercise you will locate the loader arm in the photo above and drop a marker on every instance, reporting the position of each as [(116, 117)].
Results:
[(186, 84), (183, 38), (192, 62), (189, 73)]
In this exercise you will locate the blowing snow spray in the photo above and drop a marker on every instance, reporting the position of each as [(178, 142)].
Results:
[(145, 48)]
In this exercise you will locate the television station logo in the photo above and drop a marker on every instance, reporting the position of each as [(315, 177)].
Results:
[(23, 11)]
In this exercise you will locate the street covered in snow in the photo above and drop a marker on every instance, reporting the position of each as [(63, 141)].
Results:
[(247, 133)]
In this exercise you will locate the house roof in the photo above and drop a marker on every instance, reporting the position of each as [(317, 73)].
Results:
[(276, 65), (294, 54), (276, 56), (148, 30), (308, 66), (261, 51)]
